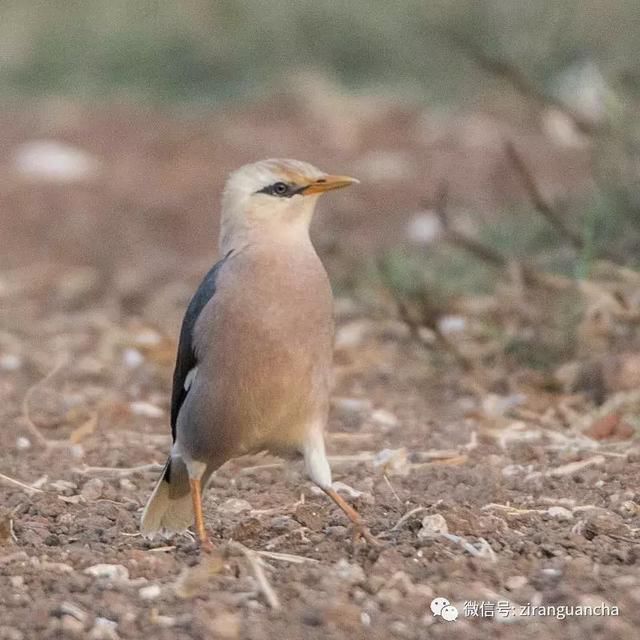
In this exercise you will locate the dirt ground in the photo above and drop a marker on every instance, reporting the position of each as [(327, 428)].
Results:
[(494, 498)]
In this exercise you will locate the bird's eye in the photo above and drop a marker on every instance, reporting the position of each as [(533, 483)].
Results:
[(280, 188)]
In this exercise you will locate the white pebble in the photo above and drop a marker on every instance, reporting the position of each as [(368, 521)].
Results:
[(151, 592), (22, 443), (432, 526), (560, 513), (424, 228), (146, 409), (385, 418), (234, 505), (92, 489), (108, 571), (132, 358), (10, 362), (53, 161), (104, 629)]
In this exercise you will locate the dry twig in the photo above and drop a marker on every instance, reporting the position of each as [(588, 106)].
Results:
[(16, 483), (119, 472), (256, 566), (26, 408)]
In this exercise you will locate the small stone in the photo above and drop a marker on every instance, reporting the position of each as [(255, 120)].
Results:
[(279, 524), (423, 228), (627, 508), (132, 358), (433, 526), (92, 489), (17, 582), (385, 418), (104, 629), (400, 629), (234, 505), (70, 609), (71, 626), (10, 633), (515, 582), (226, 626), (351, 334), (560, 513), (351, 573), (309, 516), (22, 443), (146, 409), (127, 485), (10, 362), (108, 572), (389, 598), (351, 405), (150, 592)]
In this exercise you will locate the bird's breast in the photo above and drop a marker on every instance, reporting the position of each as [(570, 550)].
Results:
[(266, 345)]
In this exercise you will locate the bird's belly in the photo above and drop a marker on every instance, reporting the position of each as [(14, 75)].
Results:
[(265, 396)]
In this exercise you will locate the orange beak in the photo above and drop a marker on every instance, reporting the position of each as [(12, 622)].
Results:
[(328, 183)]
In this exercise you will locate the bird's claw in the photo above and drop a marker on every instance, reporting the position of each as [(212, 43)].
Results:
[(361, 531), (207, 546)]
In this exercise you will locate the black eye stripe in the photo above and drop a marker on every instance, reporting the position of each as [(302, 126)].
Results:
[(281, 190)]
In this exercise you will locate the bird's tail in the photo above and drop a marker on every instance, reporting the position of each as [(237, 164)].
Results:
[(169, 509)]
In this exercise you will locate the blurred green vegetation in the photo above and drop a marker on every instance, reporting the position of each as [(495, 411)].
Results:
[(217, 49)]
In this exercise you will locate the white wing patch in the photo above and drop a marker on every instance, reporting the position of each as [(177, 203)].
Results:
[(191, 376)]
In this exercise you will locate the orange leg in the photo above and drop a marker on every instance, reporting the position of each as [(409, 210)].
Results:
[(361, 529), (196, 497)]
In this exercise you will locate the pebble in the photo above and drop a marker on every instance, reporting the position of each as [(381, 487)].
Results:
[(385, 418), (423, 228), (234, 505), (71, 626), (108, 571), (132, 358), (10, 633), (432, 526), (17, 582), (400, 629), (104, 629), (351, 405), (22, 443), (389, 598), (226, 626), (627, 508), (515, 582), (146, 409), (10, 362), (351, 334), (351, 573), (92, 489), (150, 592), (560, 513), (54, 161), (70, 609)]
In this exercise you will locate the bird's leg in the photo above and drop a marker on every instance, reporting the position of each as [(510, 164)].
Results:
[(318, 470), (361, 529), (196, 497)]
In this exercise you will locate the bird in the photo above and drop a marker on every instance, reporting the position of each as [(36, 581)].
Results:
[(253, 368)]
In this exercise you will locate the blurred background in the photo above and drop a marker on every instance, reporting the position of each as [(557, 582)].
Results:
[(511, 125), (486, 272)]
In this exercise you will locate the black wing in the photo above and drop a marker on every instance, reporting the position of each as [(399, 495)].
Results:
[(186, 358)]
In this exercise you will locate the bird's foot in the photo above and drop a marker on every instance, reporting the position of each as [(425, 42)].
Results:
[(206, 545), (362, 532)]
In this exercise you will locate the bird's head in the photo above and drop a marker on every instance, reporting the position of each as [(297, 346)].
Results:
[(273, 198)]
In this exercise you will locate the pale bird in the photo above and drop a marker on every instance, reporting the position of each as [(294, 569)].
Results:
[(253, 369)]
